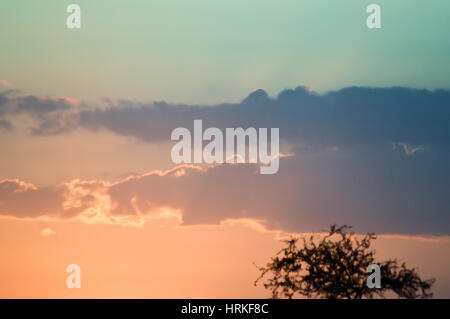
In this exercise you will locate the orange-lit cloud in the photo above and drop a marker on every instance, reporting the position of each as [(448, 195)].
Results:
[(195, 195)]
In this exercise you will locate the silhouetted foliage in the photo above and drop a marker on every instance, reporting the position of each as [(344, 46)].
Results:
[(334, 266)]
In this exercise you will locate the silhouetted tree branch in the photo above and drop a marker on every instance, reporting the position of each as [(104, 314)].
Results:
[(334, 266)]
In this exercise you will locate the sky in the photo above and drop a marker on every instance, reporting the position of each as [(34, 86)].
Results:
[(204, 51), (86, 115)]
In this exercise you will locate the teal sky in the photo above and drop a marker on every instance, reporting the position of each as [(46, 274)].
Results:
[(209, 51)]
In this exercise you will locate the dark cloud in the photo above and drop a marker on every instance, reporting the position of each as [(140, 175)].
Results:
[(41, 107), (23, 200), (382, 193), (350, 116), (5, 125), (371, 189), (52, 115)]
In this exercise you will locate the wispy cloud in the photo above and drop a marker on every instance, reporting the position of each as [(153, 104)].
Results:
[(407, 149), (47, 232)]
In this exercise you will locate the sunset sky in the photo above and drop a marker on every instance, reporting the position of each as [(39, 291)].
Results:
[(86, 175)]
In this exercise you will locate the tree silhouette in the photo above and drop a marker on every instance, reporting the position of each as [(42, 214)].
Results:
[(335, 266)]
